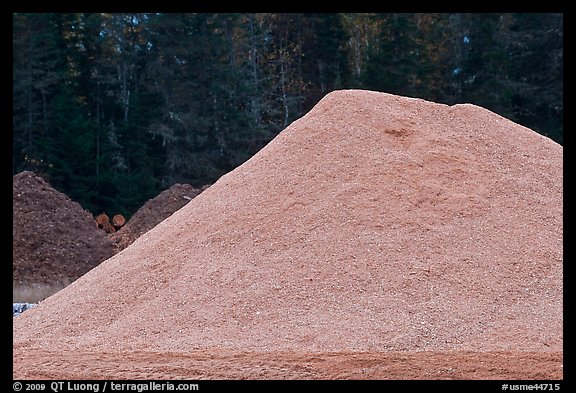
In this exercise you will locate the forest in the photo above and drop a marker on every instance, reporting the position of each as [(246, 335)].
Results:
[(112, 108)]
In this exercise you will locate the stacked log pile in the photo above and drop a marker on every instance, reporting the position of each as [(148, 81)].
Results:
[(110, 226)]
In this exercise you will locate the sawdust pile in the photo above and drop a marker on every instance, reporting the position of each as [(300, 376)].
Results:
[(373, 223), (54, 240)]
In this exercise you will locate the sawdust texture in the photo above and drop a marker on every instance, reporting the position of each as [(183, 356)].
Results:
[(374, 224), (54, 240), (225, 365)]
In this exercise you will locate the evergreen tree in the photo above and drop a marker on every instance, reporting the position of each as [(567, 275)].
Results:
[(70, 150), (398, 65), (324, 56), (535, 75), (37, 73)]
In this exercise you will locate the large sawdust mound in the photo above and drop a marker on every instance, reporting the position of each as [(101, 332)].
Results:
[(153, 212), (54, 240), (374, 223)]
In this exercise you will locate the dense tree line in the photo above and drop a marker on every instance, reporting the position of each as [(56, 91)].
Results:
[(113, 108)]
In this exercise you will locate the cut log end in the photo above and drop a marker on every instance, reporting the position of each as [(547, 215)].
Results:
[(118, 221), (102, 219)]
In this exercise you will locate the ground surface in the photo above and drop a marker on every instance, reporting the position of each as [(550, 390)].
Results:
[(219, 364)]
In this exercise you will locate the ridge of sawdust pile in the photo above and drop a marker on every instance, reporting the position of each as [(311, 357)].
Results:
[(374, 223)]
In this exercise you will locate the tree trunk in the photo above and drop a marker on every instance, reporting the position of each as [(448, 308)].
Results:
[(283, 89), (98, 133)]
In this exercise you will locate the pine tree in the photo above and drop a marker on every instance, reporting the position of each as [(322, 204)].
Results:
[(38, 72), (398, 64), (324, 56)]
